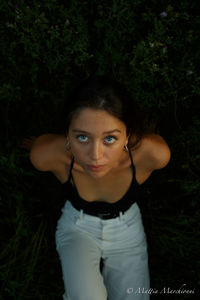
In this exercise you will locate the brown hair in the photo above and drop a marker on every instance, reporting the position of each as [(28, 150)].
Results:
[(102, 92)]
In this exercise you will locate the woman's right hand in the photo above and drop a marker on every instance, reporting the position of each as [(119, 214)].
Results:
[(27, 142)]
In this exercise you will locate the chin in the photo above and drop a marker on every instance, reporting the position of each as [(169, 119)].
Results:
[(97, 175)]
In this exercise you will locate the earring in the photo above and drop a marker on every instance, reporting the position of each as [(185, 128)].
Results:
[(68, 145), (126, 148)]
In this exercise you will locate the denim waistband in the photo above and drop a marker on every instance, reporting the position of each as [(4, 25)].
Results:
[(82, 214), (108, 212)]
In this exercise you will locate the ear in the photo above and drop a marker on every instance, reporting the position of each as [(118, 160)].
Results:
[(127, 139)]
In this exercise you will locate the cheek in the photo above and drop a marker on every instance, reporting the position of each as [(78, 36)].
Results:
[(114, 153), (79, 152)]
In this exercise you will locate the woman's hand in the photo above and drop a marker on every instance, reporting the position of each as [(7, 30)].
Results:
[(27, 142)]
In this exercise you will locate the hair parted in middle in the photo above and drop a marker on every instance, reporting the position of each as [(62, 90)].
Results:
[(102, 92)]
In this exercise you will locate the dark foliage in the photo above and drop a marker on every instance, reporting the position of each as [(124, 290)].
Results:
[(153, 48)]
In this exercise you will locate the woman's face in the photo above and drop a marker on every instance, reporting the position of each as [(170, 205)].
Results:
[(97, 141)]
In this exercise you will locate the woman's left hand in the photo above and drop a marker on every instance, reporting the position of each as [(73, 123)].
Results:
[(27, 142)]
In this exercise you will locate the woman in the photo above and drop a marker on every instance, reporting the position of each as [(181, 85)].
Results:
[(101, 160)]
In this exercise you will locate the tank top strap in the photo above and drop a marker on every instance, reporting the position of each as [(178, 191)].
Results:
[(70, 170), (132, 164)]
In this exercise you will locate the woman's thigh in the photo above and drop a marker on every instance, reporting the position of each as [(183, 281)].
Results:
[(126, 275), (80, 261), (125, 260)]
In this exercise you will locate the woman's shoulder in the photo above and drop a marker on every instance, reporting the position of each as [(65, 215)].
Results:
[(48, 152), (152, 153)]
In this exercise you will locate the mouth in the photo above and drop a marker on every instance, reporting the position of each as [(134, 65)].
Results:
[(95, 168)]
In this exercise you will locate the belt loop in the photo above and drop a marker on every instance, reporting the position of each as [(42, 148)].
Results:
[(81, 214), (121, 216)]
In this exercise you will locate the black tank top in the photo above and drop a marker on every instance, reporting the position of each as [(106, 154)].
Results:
[(131, 196)]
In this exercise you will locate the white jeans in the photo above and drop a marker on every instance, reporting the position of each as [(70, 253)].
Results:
[(82, 240)]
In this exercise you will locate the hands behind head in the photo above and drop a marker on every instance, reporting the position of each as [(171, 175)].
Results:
[(27, 142)]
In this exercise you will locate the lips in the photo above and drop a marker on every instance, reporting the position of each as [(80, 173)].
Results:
[(95, 168)]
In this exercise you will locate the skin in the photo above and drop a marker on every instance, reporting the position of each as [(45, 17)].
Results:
[(97, 138), (90, 144)]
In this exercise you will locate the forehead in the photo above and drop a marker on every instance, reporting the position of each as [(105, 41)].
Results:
[(92, 120)]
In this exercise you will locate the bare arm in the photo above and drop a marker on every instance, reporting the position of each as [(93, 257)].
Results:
[(155, 152), (48, 153), (43, 155)]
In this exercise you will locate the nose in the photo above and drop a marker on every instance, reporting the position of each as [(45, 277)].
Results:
[(96, 151)]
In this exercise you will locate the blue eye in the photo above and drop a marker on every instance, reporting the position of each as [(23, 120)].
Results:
[(110, 139), (82, 138)]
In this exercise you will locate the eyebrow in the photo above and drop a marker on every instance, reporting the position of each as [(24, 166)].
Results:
[(106, 132)]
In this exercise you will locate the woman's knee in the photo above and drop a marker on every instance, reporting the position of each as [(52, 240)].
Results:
[(82, 276), (80, 291)]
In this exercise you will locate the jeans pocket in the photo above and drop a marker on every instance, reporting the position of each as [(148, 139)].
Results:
[(133, 222), (63, 235), (135, 230)]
